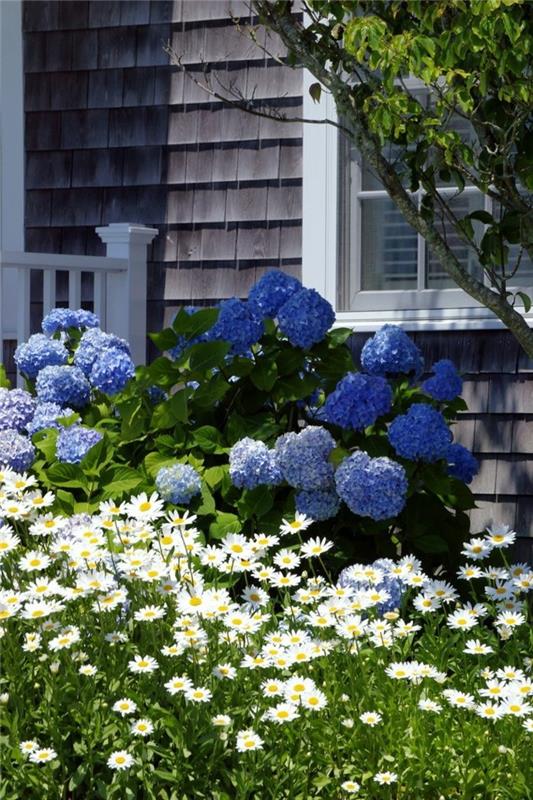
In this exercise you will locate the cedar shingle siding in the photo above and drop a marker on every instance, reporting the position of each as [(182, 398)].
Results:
[(113, 133)]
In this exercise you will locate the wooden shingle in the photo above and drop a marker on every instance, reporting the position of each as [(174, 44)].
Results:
[(105, 88), (150, 42), (42, 131), (68, 90), (116, 47), (139, 87), (246, 204), (493, 435), (97, 168), (84, 129), (142, 166), (46, 170), (73, 14), (258, 243)]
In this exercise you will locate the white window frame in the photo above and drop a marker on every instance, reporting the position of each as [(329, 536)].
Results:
[(420, 309)]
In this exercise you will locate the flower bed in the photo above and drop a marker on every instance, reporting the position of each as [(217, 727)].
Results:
[(138, 660)]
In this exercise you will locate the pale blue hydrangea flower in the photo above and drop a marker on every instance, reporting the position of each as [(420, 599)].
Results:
[(61, 319), (178, 483), (17, 407), (238, 324), (372, 487), (64, 385), (446, 383), (38, 352), (252, 464), (92, 344), (16, 451), (305, 318), (272, 291), (46, 416), (358, 401), (318, 504), (461, 463), (390, 352), (421, 434), (74, 443), (112, 370), (303, 458)]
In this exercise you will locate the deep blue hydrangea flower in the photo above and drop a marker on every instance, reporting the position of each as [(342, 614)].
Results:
[(178, 483), (65, 385), (61, 319), (272, 291), (390, 352), (74, 443), (16, 451), (358, 401), (38, 352), (318, 504), (252, 464), (461, 463), (446, 383), (156, 395), (372, 487), (303, 458), (92, 344), (420, 435), (305, 318), (351, 577), (238, 324), (17, 407), (112, 370), (46, 416)]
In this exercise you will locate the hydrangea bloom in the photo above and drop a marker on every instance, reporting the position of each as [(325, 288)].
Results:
[(17, 407), (64, 385), (461, 463), (156, 395), (420, 434), (92, 344), (252, 464), (238, 324), (272, 291), (372, 487), (38, 352), (305, 318), (46, 416), (74, 443), (178, 483), (318, 504), (446, 383), (303, 458), (112, 370), (352, 576), (61, 319), (358, 401), (16, 451), (391, 351)]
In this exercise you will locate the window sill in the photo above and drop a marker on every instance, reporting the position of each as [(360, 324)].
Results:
[(457, 319)]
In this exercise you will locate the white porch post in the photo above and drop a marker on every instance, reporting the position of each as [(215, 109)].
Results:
[(126, 293), (12, 316)]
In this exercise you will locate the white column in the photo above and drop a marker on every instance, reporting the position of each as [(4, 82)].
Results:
[(126, 292), (11, 160)]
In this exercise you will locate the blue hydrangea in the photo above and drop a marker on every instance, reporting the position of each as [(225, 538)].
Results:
[(92, 344), (390, 352), (112, 371), (461, 463), (358, 401), (421, 434), (388, 583), (64, 385), (272, 291), (16, 451), (238, 324), (252, 464), (74, 443), (305, 318), (318, 504), (61, 319), (178, 483), (38, 352), (303, 458), (156, 395), (446, 383), (46, 416), (372, 487), (17, 407)]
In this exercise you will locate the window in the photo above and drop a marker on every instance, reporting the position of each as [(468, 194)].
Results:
[(375, 267)]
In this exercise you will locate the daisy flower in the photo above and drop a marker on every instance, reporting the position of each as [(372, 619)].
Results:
[(42, 755), (145, 508), (120, 760), (385, 778), (500, 536), (351, 787), (142, 664), (8, 540), (142, 727), (370, 718), (87, 669), (299, 523), (125, 707), (429, 705), (461, 620), (177, 684), (198, 694), (314, 700), (248, 740), (283, 712), (28, 746), (221, 721), (149, 613), (34, 560), (475, 647)]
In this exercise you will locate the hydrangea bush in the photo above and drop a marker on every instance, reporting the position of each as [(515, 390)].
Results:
[(256, 410), (141, 661)]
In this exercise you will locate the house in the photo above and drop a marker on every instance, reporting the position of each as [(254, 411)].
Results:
[(98, 128)]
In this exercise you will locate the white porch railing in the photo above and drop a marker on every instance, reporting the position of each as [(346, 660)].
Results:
[(119, 285)]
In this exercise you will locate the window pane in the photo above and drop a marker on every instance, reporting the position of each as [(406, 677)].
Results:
[(524, 273), (388, 247), (436, 277)]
